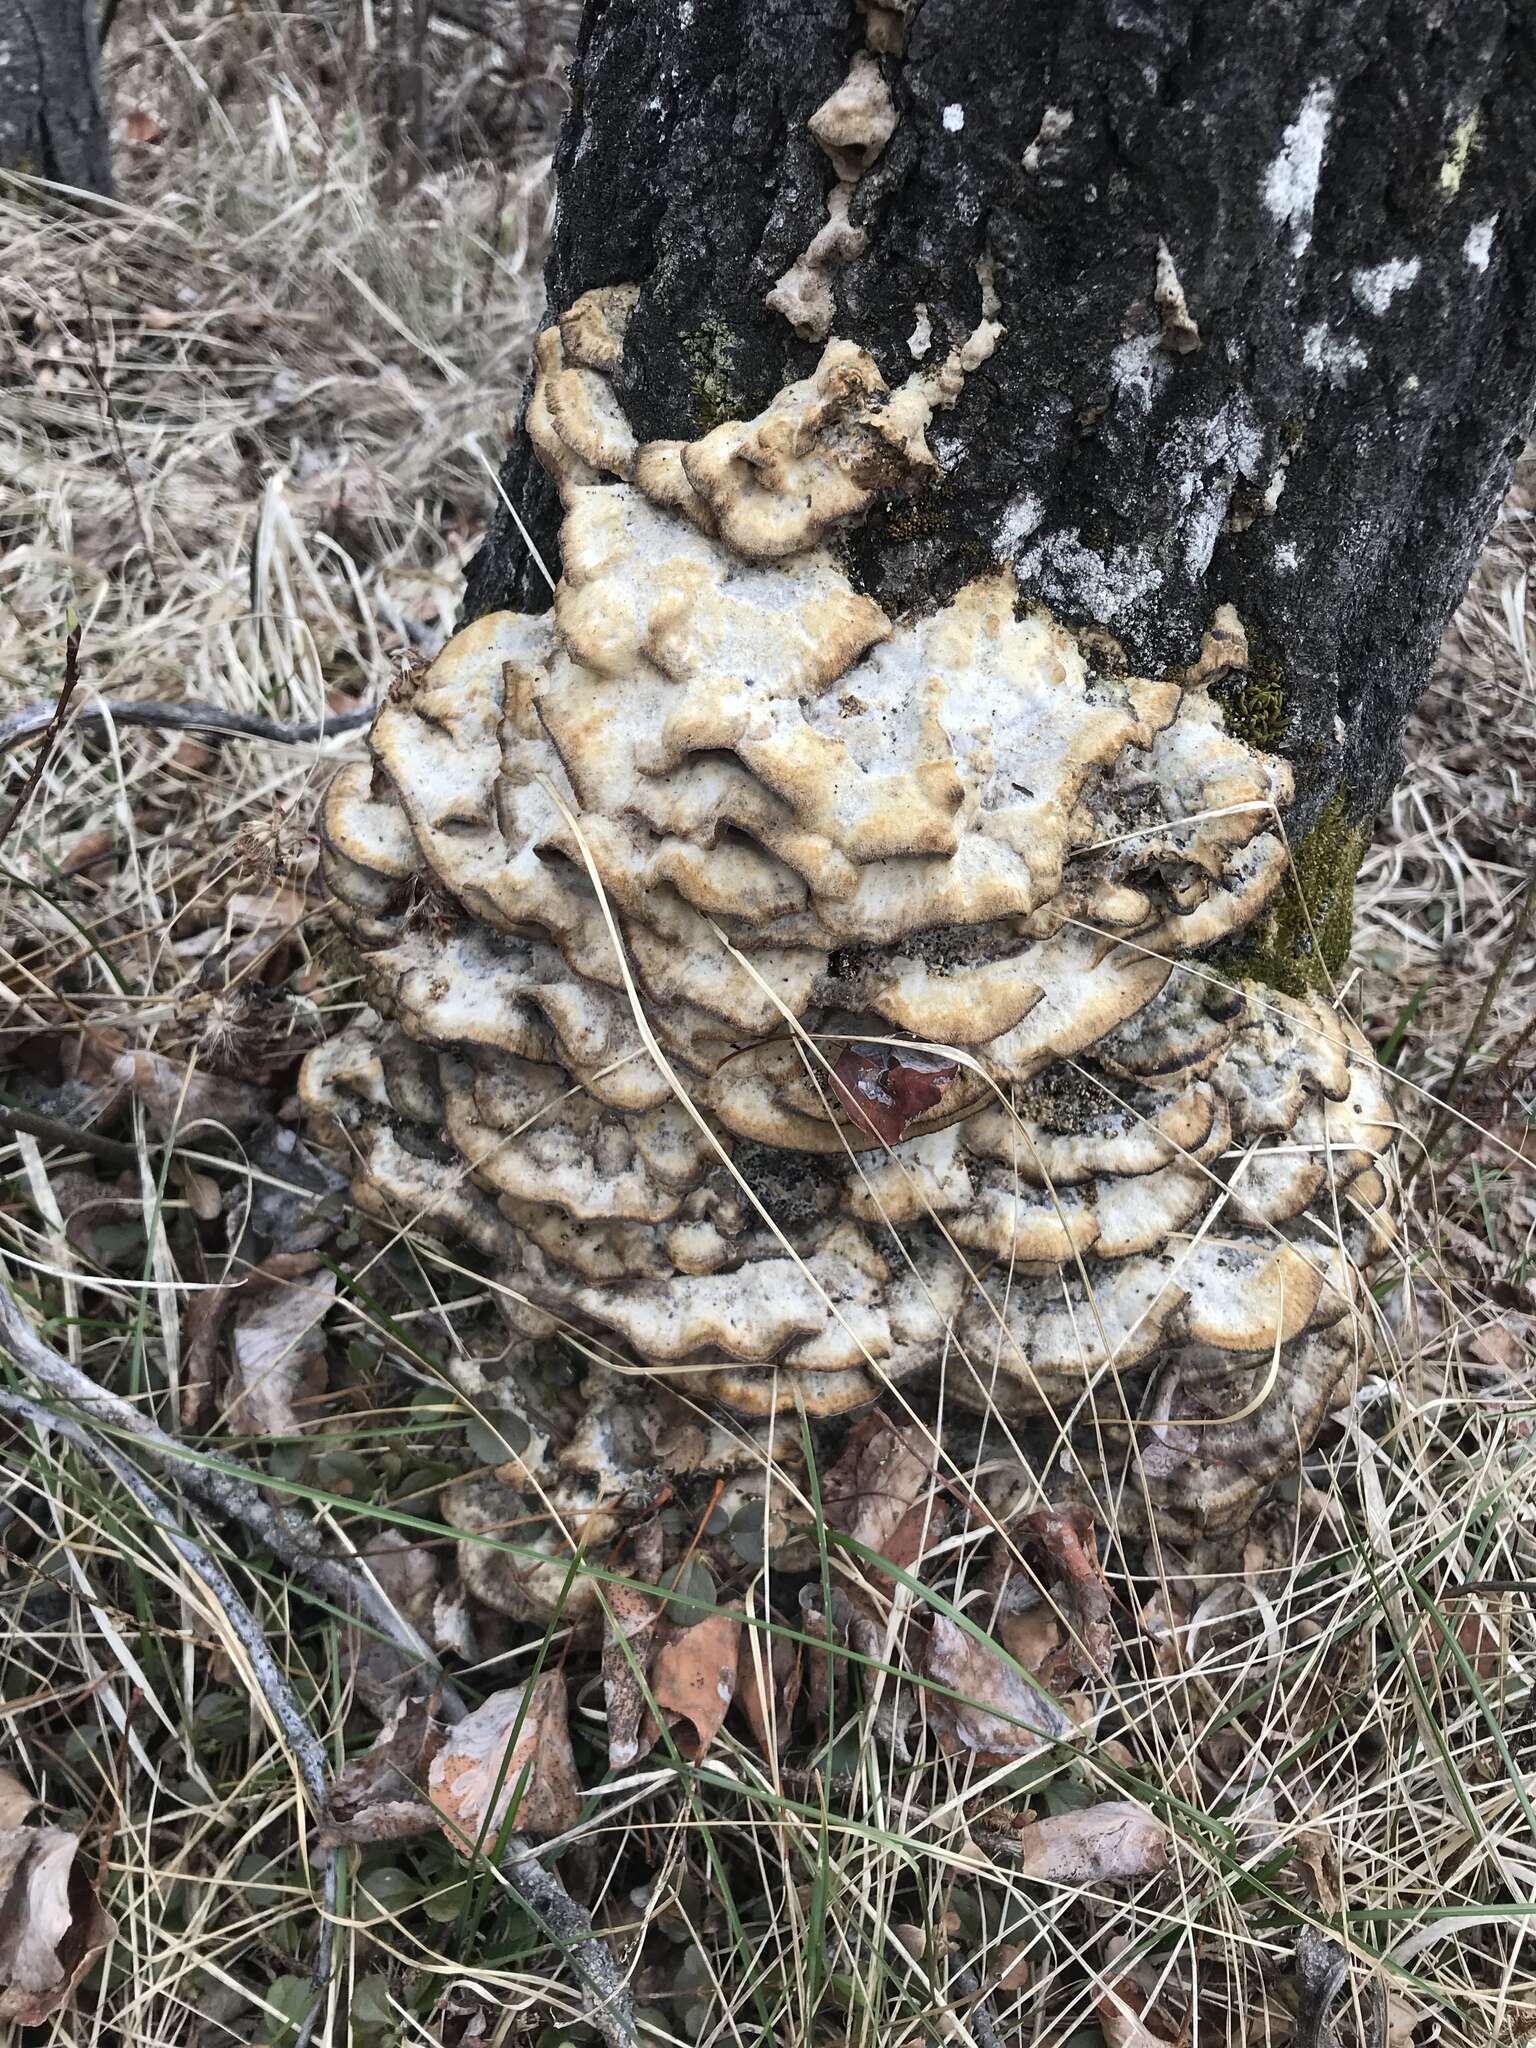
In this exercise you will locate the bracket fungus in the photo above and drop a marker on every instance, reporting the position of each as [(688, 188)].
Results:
[(792, 1002)]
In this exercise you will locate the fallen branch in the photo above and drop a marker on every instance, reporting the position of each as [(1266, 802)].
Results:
[(235, 1494), (610, 2005), (271, 1681), (53, 1130), (213, 719)]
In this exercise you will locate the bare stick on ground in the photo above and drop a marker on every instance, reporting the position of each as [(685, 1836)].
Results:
[(226, 1490)]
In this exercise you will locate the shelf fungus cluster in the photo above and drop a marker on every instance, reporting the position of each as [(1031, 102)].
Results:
[(788, 1001)]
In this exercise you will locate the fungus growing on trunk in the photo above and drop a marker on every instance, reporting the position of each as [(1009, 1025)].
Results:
[(719, 870)]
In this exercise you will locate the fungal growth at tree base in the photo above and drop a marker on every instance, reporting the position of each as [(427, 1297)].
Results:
[(800, 1006)]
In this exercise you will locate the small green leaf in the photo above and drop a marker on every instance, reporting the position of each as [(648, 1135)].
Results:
[(695, 1583), (390, 1887), (371, 2010), (445, 1904), (498, 1436)]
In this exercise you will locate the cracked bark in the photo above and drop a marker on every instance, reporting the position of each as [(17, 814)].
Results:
[(1345, 192), (53, 122)]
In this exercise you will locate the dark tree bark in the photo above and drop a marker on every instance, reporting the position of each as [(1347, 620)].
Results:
[(1266, 269), (53, 122)]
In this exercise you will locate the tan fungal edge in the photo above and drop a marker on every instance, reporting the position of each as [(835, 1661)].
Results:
[(909, 907)]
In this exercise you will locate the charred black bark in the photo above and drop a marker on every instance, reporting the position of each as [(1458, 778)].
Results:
[(1267, 273), (52, 120)]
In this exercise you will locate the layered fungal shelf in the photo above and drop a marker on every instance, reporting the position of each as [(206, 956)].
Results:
[(796, 1002)]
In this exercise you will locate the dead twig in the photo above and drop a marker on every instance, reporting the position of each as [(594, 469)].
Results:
[(53, 1130), (270, 1679), (51, 726), (235, 1494), (190, 717), (610, 2004), (227, 1490)]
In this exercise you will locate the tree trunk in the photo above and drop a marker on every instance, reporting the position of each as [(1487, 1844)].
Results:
[(53, 123), (1266, 270)]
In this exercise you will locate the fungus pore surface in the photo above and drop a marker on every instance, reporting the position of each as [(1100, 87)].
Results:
[(797, 1002)]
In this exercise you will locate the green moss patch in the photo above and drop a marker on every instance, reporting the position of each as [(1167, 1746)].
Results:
[(1252, 701), (1301, 944)]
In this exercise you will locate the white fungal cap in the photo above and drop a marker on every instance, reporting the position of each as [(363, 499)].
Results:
[(855, 123), (819, 454), (903, 909)]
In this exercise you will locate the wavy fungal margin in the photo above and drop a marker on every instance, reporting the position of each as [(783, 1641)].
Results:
[(796, 1001)]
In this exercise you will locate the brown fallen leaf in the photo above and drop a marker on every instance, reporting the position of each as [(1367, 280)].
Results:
[(1122, 2014), (1031, 1636), (1012, 1969), (88, 850), (1497, 1344), (462, 1780), (279, 1353), (141, 128), (881, 1490), (1104, 1844), (381, 1795), (693, 1681), (175, 1096), (1066, 1536), (203, 1323), (1003, 1714), (770, 1708), (1480, 1641), (16, 1802), (52, 1926), (1315, 1853)]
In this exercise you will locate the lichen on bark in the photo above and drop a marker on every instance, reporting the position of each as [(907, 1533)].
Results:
[(711, 350)]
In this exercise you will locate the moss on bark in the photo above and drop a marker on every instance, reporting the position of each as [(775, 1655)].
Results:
[(1301, 944)]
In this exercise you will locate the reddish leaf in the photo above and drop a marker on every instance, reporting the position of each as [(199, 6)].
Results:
[(884, 1088), (693, 1682), (1066, 1536), (769, 1718), (1124, 2016)]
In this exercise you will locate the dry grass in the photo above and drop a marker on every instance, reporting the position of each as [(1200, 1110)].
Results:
[(241, 448)]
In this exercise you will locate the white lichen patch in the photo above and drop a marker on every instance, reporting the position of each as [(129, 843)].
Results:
[(719, 925), (1289, 189), (1106, 585), (1375, 289), (1334, 356), (954, 118), (1478, 246)]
